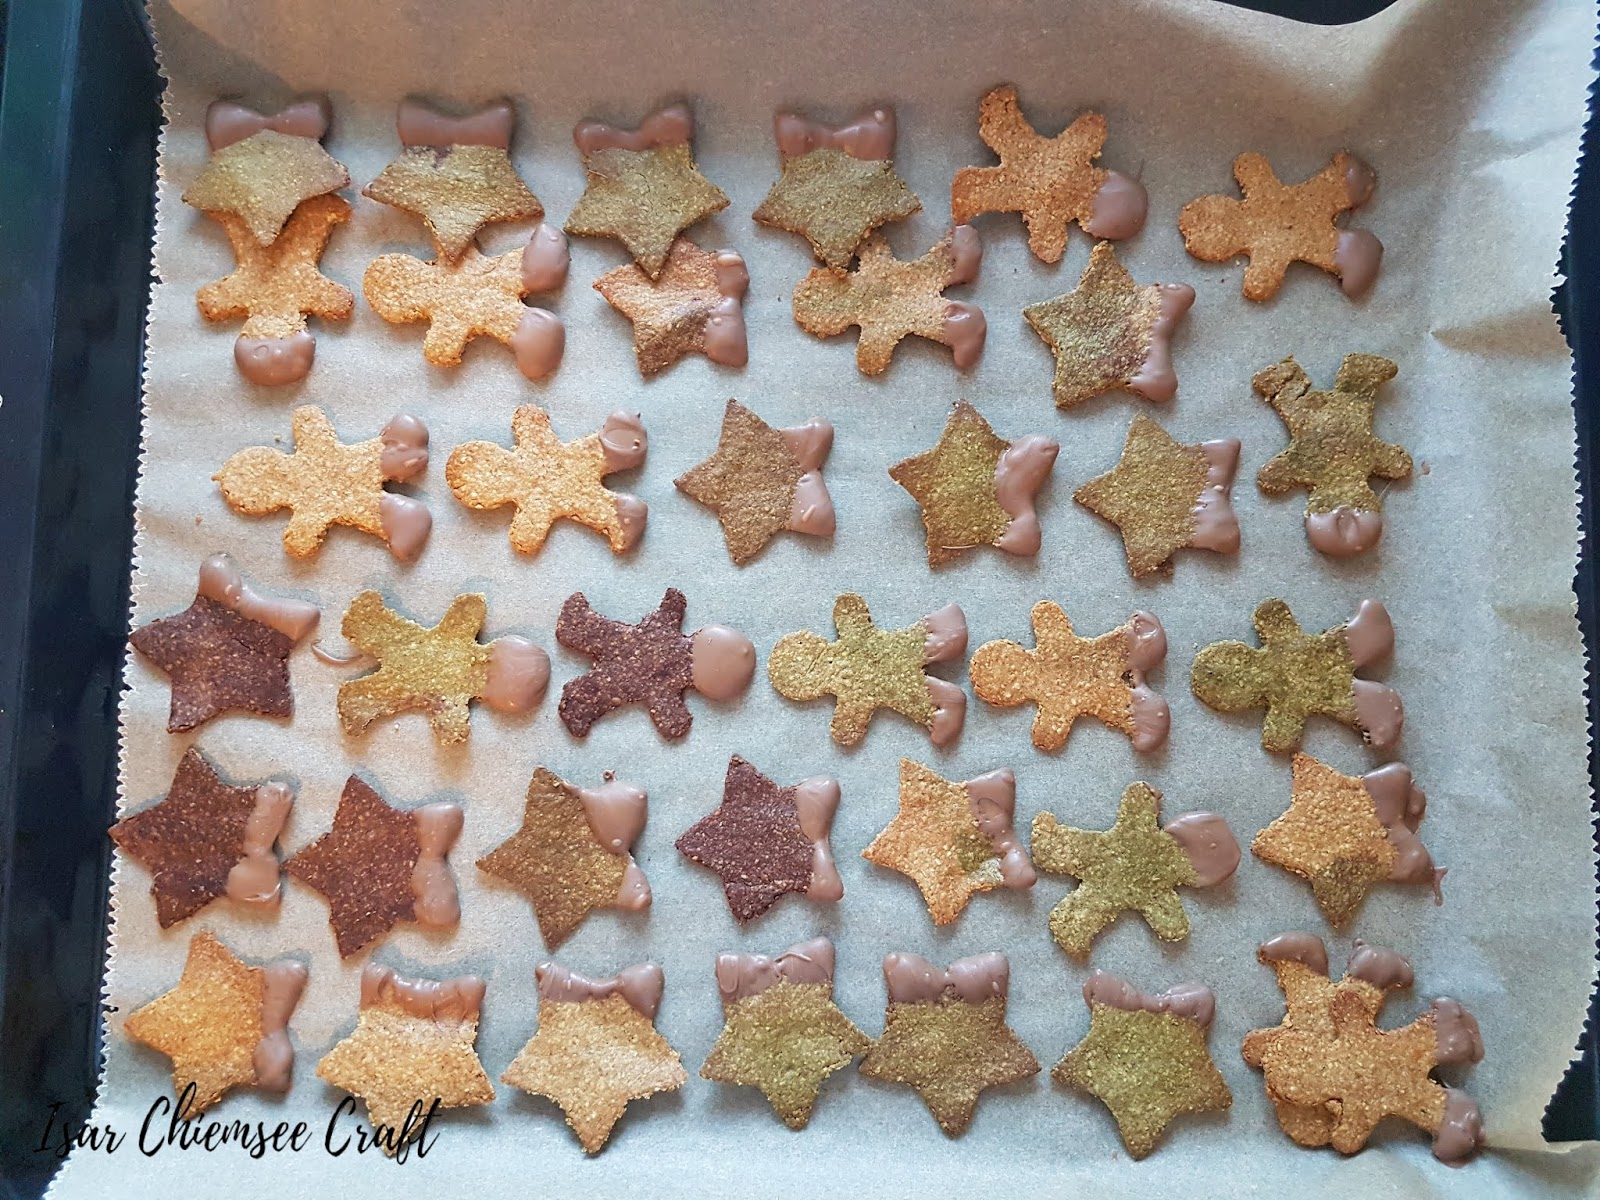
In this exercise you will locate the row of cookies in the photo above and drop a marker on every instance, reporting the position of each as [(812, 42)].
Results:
[(229, 651), (1332, 1074), (974, 488), (275, 190), (378, 866)]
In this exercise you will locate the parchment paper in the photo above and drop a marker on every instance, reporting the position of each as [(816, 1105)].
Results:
[(1471, 114)]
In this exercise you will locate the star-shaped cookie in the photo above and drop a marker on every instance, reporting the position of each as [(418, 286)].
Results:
[(953, 840), (888, 300), (693, 305), (381, 865), (765, 841), (1051, 181), (571, 854), (224, 1026), (1164, 495), (275, 288), (976, 489), (1276, 224), (207, 839), (762, 481), (1110, 333), (782, 1031), (411, 1050), (1069, 676), (945, 1034), (263, 178), (1297, 675), (643, 185), (869, 668), (325, 482), (1135, 866), (455, 173), (1332, 450), (596, 1048), (838, 185), (1145, 1057), (548, 479), (1345, 833), (228, 651)]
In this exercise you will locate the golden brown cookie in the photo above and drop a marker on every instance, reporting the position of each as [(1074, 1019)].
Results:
[(326, 482), (224, 1026), (1110, 333), (1068, 676), (1163, 496), (547, 479), (1051, 181), (889, 300), (596, 1048), (1276, 224)]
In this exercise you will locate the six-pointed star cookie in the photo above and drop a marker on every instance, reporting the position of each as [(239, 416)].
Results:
[(643, 185), (207, 839), (381, 865), (228, 651), (1145, 1057), (596, 1047), (783, 1033), (275, 288), (225, 1025), (1332, 450), (547, 479), (765, 841), (1164, 495), (1111, 333), (1134, 866), (1051, 181), (838, 185), (412, 1050), (694, 305), (953, 840), (945, 1034), (976, 489), (571, 854), (889, 300), (762, 481)]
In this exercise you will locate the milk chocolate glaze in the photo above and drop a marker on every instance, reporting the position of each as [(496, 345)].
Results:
[(1216, 525), (538, 343), (420, 124), (228, 121), (812, 509), (1379, 966), (1023, 467), (437, 904), (1304, 948), (722, 662), (283, 983), (273, 362), (221, 581), (1156, 379), (623, 441), (615, 812), (452, 1000), (257, 878), (1118, 208), (670, 126), (1460, 1129), (519, 673), (1344, 531), (545, 259), (1191, 1001), (740, 976), (815, 802), (725, 340), (640, 985), (993, 801), (912, 979), (1400, 805), (1209, 845), (947, 635), (870, 137)]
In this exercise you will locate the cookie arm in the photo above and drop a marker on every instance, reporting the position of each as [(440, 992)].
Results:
[(1166, 917), (1076, 921)]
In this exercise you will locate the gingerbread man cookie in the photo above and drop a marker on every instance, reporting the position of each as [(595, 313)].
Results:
[(547, 479), (652, 663), (1276, 224), (1069, 676), (889, 300), (1332, 450), (869, 668), (1296, 675), (325, 482)]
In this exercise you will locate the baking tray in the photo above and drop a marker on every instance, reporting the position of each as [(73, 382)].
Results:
[(79, 116)]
